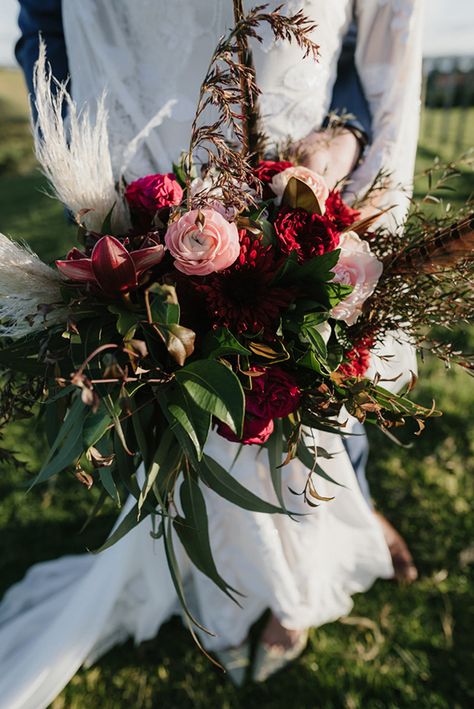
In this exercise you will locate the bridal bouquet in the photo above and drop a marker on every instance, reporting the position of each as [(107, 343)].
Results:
[(241, 298)]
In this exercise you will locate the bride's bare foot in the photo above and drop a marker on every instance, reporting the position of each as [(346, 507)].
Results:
[(276, 636), (403, 564)]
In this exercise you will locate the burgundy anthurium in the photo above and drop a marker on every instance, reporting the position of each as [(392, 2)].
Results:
[(110, 266)]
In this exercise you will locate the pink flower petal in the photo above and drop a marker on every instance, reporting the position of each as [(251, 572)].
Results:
[(75, 254), (144, 259), (77, 270), (112, 266)]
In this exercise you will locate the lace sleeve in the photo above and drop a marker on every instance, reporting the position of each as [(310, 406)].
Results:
[(388, 59)]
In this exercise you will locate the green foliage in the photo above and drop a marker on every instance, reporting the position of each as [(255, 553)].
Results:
[(215, 389)]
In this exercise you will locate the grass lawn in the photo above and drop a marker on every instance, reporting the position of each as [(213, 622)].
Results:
[(401, 647)]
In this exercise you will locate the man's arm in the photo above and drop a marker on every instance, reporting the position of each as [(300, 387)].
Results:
[(45, 17)]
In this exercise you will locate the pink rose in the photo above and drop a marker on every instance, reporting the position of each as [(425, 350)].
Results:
[(358, 267), (153, 192), (202, 242), (316, 182)]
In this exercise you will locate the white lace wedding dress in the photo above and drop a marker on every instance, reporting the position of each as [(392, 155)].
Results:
[(67, 612)]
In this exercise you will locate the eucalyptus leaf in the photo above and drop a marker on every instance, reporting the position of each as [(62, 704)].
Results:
[(176, 575), (216, 389), (225, 485), (108, 482), (190, 417), (68, 445), (275, 453), (193, 532), (126, 524)]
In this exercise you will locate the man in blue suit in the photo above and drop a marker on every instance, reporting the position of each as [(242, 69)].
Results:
[(337, 157)]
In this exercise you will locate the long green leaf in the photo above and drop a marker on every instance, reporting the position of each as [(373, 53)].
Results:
[(68, 445), (162, 464), (225, 485), (176, 575), (181, 435), (107, 480), (193, 532), (216, 389), (96, 425), (194, 420), (275, 452), (129, 522)]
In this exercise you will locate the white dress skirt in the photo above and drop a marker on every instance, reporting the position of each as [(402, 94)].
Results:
[(69, 611)]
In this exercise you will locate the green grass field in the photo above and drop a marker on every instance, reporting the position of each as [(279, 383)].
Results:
[(401, 647)]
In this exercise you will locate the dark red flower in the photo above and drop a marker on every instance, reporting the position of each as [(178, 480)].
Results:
[(357, 359), (153, 192), (242, 297), (282, 396), (339, 213), (256, 430), (265, 172), (267, 169), (110, 267), (307, 234), (274, 394)]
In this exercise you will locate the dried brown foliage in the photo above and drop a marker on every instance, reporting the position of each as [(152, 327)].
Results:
[(427, 281), (229, 143)]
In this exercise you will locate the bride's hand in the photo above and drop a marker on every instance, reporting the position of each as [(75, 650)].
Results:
[(329, 152)]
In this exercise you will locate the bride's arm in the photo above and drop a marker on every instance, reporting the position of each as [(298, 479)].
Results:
[(335, 152), (388, 59)]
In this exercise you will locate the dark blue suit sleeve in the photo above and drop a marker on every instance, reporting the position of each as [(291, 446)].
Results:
[(348, 95), (43, 16)]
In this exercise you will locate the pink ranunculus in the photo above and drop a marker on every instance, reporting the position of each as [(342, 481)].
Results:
[(315, 181), (357, 266), (153, 192), (202, 242)]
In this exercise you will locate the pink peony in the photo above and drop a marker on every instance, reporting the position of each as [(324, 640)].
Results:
[(202, 242), (153, 192), (358, 267), (316, 182)]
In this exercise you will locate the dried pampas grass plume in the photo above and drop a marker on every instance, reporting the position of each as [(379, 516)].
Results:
[(76, 160), (28, 287)]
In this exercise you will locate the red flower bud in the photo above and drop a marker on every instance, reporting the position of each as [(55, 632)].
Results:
[(111, 267)]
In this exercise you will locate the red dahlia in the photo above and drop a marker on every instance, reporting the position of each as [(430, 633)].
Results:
[(307, 234), (339, 213), (242, 297), (358, 359)]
